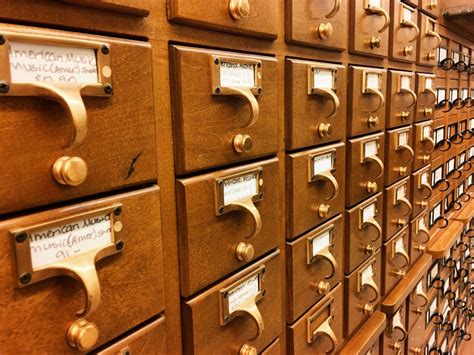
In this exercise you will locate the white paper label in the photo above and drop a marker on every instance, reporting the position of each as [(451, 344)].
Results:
[(436, 212), (464, 94), (450, 165), (442, 53), (460, 190), (240, 75), (370, 149), (402, 138), (467, 59), (432, 341), (429, 83), (471, 123), (406, 14), (320, 242), (322, 163), (469, 181), (397, 319), (368, 212), (471, 152), (462, 158), (367, 274), (441, 94), (446, 286), (405, 82), (433, 307), (399, 246), (421, 223), (455, 56), (373, 81), (439, 135), (438, 174), (54, 244), (453, 94), (243, 292), (374, 3), (444, 346), (419, 288), (323, 78), (401, 192), (57, 64), (240, 188), (434, 272), (445, 310), (455, 322), (424, 178), (426, 131)]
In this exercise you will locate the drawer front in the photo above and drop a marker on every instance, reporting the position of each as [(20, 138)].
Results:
[(444, 61), (361, 293), (133, 7), (426, 94), (430, 6), (415, 339), (439, 183), (399, 154), (149, 339), (365, 166), (316, 103), (441, 141), (234, 210), (416, 304), (423, 143), (421, 187), (273, 349), (68, 150), (419, 236), (315, 187), (233, 119), (428, 40), (436, 219), (67, 241), (317, 23), (320, 329), (404, 32), (395, 334), (396, 260), (370, 22), (397, 207), (254, 18), (366, 111), (239, 313), (401, 98), (314, 266), (363, 231)]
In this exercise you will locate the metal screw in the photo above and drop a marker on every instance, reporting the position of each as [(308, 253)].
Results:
[(221, 209), (108, 89), (20, 237), (221, 182), (119, 245), (264, 292), (118, 211), (226, 318), (2, 40), (259, 90), (4, 87), (105, 49), (260, 195), (259, 65), (126, 353), (25, 279), (225, 294), (216, 61), (217, 90)]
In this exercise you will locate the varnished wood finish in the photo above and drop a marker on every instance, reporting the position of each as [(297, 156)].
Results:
[(422, 147), (396, 214), (426, 44), (393, 339), (420, 194), (133, 7), (402, 38), (273, 349), (415, 337), (399, 102), (418, 236), (366, 336), (439, 247), (397, 158), (425, 99)]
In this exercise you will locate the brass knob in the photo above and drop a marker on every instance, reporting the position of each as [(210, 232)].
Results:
[(399, 273), (401, 222), (396, 346), (369, 249), (325, 30), (239, 9), (373, 121), (431, 56), (375, 42), (371, 186), (368, 309), (404, 115), (416, 351), (70, 171), (426, 158), (325, 129), (432, 5), (428, 111), (243, 143), (247, 349), (423, 203), (82, 335), (421, 248), (244, 252), (418, 310), (402, 170), (323, 287), (408, 50), (324, 210)]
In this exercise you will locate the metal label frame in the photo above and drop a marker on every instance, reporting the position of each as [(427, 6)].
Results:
[(311, 157), (216, 61), (310, 258)]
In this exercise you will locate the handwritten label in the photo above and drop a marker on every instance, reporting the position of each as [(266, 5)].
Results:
[(442, 53), (320, 242), (453, 94), (373, 81), (424, 178), (439, 135), (464, 94), (367, 274), (406, 14), (322, 163), (243, 292), (240, 75), (54, 244), (240, 188), (370, 149), (429, 83), (441, 95), (426, 131), (401, 192), (323, 78), (455, 56), (31, 63), (368, 212), (399, 246), (402, 138), (405, 82)]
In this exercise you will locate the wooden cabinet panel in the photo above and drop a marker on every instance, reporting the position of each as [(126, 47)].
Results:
[(401, 98), (404, 32), (429, 40), (421, 190), (425, 91), (395, 259), (419, 236), (397, 207), (399, 154), (423, 143)]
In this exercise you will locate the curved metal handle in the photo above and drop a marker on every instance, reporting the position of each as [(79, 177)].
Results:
[(448, 142), (247, 205), (375, 159), (330, 93), (454, 140), (411, 93), (405, 257), (326, 254), (434, 34), (457, 204), (249, 308), (423, 296), (415, 27), (406, 203), (249, 97), (373, 222), (410, 150), (457, 105), (444, 102), (468, 100), (379, 95), (327, 176), (469, 165), (462, 195), (380, 12), (433, 93), (445, 224), (402, 329), (425, 186), (335, 9), (448, 185), (447, 63), (372, 285), (325, 330), (426, 233), (431, 141)]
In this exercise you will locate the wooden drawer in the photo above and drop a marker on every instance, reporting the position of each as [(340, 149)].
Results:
[(428, 40), (132, 7), (444, 61), (370, 21), (415, 338), (254, 18), (395, 260), (439, 183), (399, 154), (317, 23), (365, 156), (366, 111), (313, 266), (98, 142), (401, 98), (397, 207), (416, 303), (441, 141), (316, 97), (404, 32), (315, 187), (99, 243), (362, 293), (431, 7), (395, 334), (443, 105), (363, 231), (419, 236), (242, 312), (148, 339), (423, 143), (421, 190), (426, 94), (234, 210), (225, 122), (273, 349), (436, 218), (320, 329)]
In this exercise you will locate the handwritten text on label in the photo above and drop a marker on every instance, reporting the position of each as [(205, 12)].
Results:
[(324, 78), (370, 149), (368, 212), (322, 163), (237, 74), (243, 292), (320, 242), (240, 188), (373, 81)]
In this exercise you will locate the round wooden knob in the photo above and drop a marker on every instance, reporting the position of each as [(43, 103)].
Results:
[(247, 349), (325, 129), (243, 143), (428, 111), (368, 309), (70, 171), (373, 121), (244, 252), (325, 30), (82, 335), (369, 249), (324, 210), (375, 42), (371, 186), (431, 56), (239, 9)]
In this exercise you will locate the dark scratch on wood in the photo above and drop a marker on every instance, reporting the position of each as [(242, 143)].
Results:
[(131, 168)]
